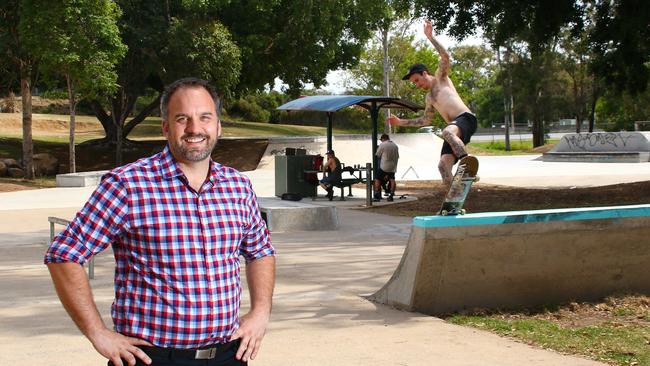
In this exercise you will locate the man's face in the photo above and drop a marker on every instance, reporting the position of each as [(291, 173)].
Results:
[(420, 80), (192, 126)]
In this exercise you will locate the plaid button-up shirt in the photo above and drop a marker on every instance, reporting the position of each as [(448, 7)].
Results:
[(177, 281)]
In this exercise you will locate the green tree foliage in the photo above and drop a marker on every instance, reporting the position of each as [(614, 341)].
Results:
[(78, 40), (620, 40), (18, 58), (258, 107), (238, 46), (166, 40), (618, 111), (298, 41)]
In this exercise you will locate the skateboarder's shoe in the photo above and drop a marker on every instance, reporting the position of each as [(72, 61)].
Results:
[(390, 198)]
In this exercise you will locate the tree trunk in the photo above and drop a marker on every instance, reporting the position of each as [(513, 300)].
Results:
[(28, 145), (384, 43), (538, 122), (576, 103), (512, 109), (73, 107), (506, 122), (595, 95)]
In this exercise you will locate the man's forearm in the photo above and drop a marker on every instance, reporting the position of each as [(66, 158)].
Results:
[(416, 122), (260, 275), (445, 59), (74, 291)]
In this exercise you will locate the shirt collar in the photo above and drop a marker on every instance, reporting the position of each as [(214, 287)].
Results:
[(169, 168)]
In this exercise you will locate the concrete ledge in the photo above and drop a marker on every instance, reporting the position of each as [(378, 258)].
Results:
[(81, 179), (297, 215), (521, 259), (605, 147), (598, 157)]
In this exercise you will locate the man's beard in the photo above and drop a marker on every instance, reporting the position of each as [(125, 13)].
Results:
[(193, 154)]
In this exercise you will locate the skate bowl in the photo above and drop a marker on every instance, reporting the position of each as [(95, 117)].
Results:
[(520, 259), (602, 147)]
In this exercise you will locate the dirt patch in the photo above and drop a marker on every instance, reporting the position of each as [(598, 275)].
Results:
[(243, 155), (494, 198), (618, 310), (12, 187), (12, 122)]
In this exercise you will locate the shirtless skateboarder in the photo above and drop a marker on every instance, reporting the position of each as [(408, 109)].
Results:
[(443, 97)]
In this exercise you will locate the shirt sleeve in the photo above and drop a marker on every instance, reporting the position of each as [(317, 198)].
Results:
[(380, 149), (98, 224), (256, 243)]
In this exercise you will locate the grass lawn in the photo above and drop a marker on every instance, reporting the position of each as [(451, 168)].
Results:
[(517, 147), (616, 331)]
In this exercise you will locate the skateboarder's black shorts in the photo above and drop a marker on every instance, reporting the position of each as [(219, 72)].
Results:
[(382, 175), (467, 124)]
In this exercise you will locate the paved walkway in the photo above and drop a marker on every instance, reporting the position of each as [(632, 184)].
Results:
[(320, 316)]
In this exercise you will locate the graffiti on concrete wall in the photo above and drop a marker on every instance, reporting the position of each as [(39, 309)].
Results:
[(613, 141)]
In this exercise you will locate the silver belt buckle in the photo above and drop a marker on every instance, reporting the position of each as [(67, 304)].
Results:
[(205, 354)]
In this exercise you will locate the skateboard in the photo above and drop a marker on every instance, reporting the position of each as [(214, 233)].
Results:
[(460, 185)]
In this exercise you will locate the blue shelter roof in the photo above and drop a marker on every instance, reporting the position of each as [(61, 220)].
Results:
[(333, 103)]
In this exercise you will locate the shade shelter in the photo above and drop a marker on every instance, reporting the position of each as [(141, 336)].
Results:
[(332, 103)]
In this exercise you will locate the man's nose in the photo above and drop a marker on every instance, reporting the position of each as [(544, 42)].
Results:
[(192, 125)]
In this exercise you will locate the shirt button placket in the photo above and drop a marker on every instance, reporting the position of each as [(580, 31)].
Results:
[(201, 209)]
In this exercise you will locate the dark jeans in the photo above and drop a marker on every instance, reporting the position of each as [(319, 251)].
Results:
[(224, 358)]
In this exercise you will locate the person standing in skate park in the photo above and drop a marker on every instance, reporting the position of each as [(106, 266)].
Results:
[(442, 97)]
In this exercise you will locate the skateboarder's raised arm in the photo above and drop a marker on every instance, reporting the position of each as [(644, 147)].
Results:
[(444, 66)]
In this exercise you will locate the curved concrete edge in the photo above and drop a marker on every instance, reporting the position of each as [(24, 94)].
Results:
[(548, 257)]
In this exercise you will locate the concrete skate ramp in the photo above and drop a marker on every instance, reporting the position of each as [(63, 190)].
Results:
[(603, 147), (419, 152), (521, 259)]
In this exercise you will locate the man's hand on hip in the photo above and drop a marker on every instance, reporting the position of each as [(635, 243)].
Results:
[(252, 328), (117, 347)]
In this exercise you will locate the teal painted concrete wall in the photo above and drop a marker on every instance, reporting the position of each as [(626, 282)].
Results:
[(511, 217)]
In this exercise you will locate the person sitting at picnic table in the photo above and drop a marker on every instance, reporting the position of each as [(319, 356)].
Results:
[(332, 169)]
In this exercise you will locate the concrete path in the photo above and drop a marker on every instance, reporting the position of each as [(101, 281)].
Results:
[(319, 317)]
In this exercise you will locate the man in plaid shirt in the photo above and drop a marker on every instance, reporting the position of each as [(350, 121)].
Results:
[(178, 223)]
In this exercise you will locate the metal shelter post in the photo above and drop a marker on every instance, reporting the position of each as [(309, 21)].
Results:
[(374, 116), (330, 115)]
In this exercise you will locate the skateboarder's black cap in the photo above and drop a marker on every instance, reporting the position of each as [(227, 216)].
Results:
[(415, 69), (330, 152)]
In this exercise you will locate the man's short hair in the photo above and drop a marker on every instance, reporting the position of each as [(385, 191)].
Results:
[(187, 83), (384, 137), (415, 69)]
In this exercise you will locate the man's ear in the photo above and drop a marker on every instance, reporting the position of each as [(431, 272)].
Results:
[(165, 128), (218, 127)]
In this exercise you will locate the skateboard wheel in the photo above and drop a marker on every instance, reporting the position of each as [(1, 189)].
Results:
[(462, 212), (444, 213)]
